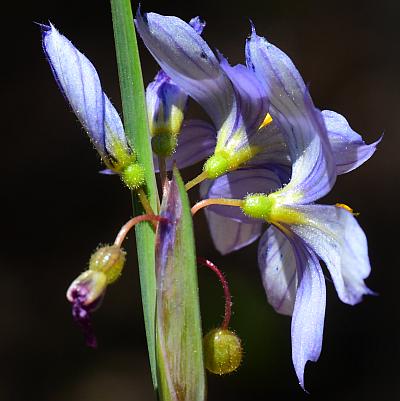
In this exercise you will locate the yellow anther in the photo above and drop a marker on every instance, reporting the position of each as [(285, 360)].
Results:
[(348, 208), (267, 121)]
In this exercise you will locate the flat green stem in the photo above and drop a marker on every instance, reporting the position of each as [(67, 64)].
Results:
[(137, 132)]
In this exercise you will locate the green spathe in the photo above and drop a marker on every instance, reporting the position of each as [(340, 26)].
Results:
[(179, 350)]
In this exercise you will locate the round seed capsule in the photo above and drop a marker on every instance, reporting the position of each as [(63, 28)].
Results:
[(110, 260), (133, 176), (222, 351)]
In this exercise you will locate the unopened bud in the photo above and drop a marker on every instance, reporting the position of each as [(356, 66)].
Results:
[(222, 351), (166, 103), (109, 260)]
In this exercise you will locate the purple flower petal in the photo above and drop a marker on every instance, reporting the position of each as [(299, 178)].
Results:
[(309, 310), (108, 171), (188, 61), (335, 236), (313, 172), (197, 24), (78, 80), (237, 185), (86, 294), (82, 316), (252, 103), (349, 149), (196, 142), (277, 263), (230, 235), (166, 103), (274, 148), (114, 129)]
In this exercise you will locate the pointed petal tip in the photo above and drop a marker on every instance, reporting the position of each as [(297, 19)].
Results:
[(252, 27), (43, 27), (198, 24), (378, 141), (140, 17), (223, 61)]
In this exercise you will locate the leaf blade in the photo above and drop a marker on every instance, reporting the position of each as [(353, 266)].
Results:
[(137, 132)]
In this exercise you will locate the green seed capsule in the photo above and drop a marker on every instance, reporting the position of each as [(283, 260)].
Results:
[(222, 351), (133, 176), (110, 260)]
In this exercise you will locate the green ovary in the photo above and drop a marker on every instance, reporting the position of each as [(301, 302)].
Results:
[(133, 176), (216, 165), (258, 206), (266, 207), (224, 161), (164, 144), (123, 157)]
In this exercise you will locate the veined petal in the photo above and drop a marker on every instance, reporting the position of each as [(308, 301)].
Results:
[(237, 185), (187, 59), (114, 130), (273, 147), (313, 172), (230, 235), (277, 263), (349, 149), (252, 106), (196, 142), (78, 80), (335, 236), (309, 309), (197, 24)]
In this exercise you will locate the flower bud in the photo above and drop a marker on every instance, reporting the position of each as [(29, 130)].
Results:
[(166, 103), (109, 260), (222, 351)]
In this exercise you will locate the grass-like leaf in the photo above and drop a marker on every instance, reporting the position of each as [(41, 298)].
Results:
[(137, 131)]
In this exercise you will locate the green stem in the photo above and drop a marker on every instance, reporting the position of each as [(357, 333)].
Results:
[(137, 132)]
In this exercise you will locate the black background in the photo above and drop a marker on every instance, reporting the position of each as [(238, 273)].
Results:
[(57, 208)]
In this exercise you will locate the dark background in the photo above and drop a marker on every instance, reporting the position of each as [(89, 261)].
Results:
[(57, 208)]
